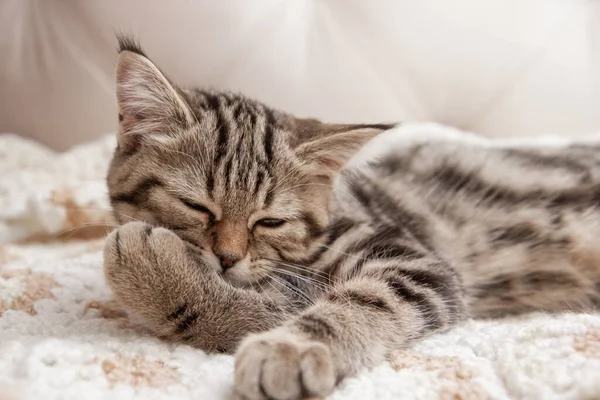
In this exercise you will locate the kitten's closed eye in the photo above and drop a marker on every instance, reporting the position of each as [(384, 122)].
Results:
[(270, 222), (200, 208)]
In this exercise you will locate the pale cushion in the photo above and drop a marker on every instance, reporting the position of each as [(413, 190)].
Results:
[(495, 67)]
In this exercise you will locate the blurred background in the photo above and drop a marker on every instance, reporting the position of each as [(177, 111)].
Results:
[(500, 68)]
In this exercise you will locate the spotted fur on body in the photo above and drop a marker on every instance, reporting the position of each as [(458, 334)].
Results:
[(246, 230)]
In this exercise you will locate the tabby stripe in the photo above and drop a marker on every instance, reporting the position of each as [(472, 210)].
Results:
[(534, 280), (186, 323), (371, 301), (238, 148), (312, 258), (269, 197), (515, 234), (177, 313), (315, 327), (547, 161), (222, 139), (210, 182), (443, 285), (118, 245), (537, 279), (228, 166), (244, 175), (260, 177), (281, 255), (313, 227), (334, 231), (373, 197), (212, 100), (139, 193), (268, 139), (338, 228), (397, 251), (251, 153), (253, 118), (356, 268), (222, 126), (501, 283), (424, 277), (451, 180), (360, 194), (382, 235), (587, 197), (418, 300), (237, 112), (392, 164)]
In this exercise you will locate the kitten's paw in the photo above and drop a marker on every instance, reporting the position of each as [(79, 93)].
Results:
[(140, 261), (283, 366)]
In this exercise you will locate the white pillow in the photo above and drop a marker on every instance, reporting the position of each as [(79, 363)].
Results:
[(497, 67)]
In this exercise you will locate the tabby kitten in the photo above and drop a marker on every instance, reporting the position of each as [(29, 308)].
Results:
[(246, 229)]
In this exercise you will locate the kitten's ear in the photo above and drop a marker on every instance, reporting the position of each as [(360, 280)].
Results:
[(150, 107), (332, 145)]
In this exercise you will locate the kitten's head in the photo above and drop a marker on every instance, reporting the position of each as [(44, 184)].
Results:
[(247, 185)]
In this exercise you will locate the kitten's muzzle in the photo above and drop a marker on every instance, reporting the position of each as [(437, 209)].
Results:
[(227, 260)]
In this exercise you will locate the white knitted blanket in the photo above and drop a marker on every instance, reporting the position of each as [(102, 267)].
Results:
[(62, 338)]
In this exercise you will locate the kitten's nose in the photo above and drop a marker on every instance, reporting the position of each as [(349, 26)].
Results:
[(227, 261)]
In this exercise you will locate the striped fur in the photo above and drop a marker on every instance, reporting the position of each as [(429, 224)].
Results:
[(237, 220)]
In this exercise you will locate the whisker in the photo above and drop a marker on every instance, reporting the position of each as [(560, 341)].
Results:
[(108, 210), (83, 225), (293, 289), (89, 208), (180, 152), (131, 218), (305, 279), (284, 179), (303, 268), (278, 291)]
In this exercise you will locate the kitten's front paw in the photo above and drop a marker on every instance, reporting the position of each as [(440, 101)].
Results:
[(142, 264), (283, 366)]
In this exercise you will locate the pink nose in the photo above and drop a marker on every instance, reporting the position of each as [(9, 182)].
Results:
[(227, 262)]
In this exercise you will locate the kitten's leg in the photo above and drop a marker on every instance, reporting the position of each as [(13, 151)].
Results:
[(155, 275), (389, 305)]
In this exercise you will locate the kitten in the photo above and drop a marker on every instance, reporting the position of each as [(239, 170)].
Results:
[(246, 230)]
